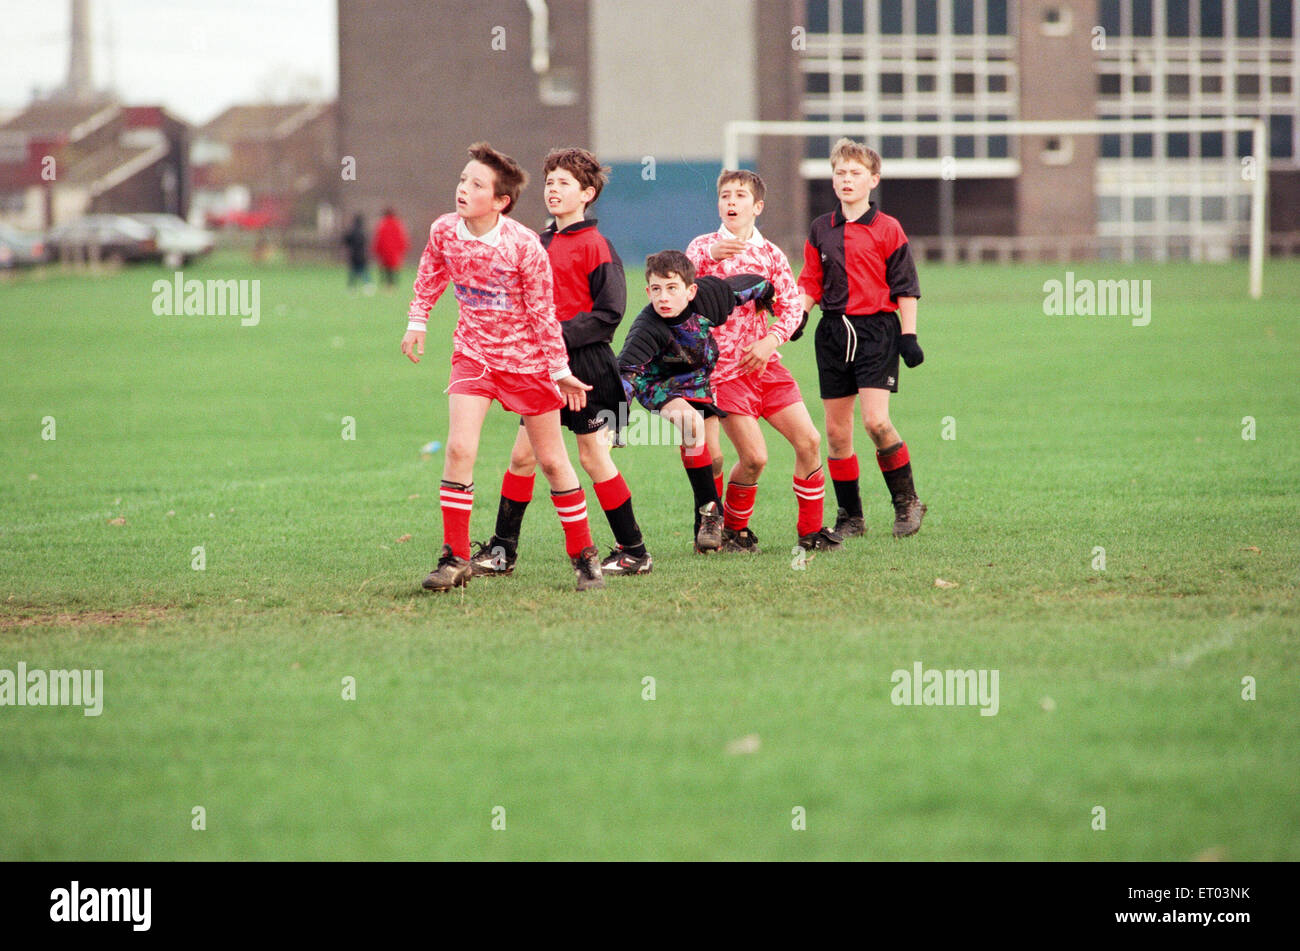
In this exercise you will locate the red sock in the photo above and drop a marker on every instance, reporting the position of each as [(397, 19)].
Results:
[(739, 505), (457, 502), (895, 457), (843, 470), (810, 492), (717, 483), (517, 488), (572, 509), (612, 492)]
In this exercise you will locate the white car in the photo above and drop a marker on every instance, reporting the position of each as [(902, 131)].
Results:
[(179, 241)]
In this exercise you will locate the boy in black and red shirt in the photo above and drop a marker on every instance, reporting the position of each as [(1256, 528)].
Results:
[(859, 268), (590, 296)]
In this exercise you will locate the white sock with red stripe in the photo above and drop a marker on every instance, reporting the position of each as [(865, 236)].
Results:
[(571, 506), (457, 502), (810, 492)]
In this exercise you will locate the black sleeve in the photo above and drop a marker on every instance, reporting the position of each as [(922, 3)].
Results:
[(608, 300), (900, 273), (645, 339)]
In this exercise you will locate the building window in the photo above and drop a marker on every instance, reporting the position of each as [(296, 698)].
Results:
[(817, 83), (1178, 85), (997, 83), (1108, 84), (1141, 84), (1248, 19), (1144, 208), (1143, 17), (891, 16), (1211, 17), (1109, 15), (1179, 208), (1211, 85), (1279, 21), (926, 82), (1178, 145), (927, 17), (891, 84), (996, 13), (1178, 19), (819, 16), (1056, 21), (1280, 85), (1281, 132), (1247, 86), (963, 17), (854, 19)]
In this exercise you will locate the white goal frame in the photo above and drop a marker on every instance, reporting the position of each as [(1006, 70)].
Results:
[(872, 131)]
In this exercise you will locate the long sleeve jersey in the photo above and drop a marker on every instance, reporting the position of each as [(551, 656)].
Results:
[(858, 267), (505, 290), (746, 324), (590, 287), (667, 358)]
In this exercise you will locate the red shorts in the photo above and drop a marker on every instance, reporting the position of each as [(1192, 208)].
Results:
[(759, 395), (528, 394)]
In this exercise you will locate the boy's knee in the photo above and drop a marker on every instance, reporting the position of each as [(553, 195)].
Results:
[(809, 442), (458, 451), (754, 463), (878, 426)]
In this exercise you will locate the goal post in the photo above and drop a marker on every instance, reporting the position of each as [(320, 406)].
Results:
[(734, 130)]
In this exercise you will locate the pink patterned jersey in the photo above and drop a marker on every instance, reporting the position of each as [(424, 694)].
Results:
[(505, 290), (746, 325)]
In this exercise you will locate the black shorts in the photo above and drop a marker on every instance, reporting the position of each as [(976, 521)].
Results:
[(857, 351), (596, 366)]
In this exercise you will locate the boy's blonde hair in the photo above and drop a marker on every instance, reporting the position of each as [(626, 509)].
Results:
[(846, 150)]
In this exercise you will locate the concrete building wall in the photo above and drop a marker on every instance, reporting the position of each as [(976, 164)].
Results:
[(1057, 81), (420, 81)]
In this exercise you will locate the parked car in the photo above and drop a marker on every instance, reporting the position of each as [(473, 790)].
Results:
[(117, 238), (20, 248), (178, 240)]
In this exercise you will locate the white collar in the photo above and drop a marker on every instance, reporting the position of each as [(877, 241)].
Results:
[(491, 237), (755, 238)]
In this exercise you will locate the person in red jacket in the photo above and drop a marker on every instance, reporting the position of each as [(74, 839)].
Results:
[(391, 244)]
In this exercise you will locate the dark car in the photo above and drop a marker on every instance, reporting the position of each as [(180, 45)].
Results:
[(21, 248), (115, 238)]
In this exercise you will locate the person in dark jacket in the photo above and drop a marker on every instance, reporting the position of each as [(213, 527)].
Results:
[(666, 360), (358, 251)]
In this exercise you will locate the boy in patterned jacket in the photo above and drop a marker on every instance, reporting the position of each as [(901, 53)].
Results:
[(750, 382), (667, 359), (507, 346)]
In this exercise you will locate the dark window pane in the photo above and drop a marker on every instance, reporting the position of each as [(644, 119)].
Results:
[(1109, 10), (1110, 146), (963, 17), (1178, 85), (1280, 85), (1143, 145), (1211, 145), (1245, 143), (997, 17), (927, 146), (1178, 145), (1247, 86), (1178, 19), (1108, 84), (1141, 84), (925, 82), (964, 146), (1281, 129), (819, 17), (963, 84), (997, 83), (927, 17), (853, 82), (1212, 84), (891, 84), (817, 83), (1211, 17), (819, 147), (1279, 21), (997, 146), (853, 16), (1142, 17), (1247, 18), (891, 16), (891, 146)]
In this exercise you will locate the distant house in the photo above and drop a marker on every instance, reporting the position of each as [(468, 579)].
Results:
[(263, 165), (61, 159)]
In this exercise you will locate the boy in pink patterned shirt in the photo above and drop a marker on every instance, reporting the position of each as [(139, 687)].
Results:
[(507, 346), (750, 382)]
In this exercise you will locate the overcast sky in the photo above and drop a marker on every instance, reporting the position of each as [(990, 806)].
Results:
[(194, 56)]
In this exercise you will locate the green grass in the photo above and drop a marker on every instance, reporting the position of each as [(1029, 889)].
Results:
[(223, 686)]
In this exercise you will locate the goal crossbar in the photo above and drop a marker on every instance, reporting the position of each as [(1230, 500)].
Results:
[(735, 129)]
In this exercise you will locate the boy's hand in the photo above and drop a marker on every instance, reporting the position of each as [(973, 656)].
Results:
[(910, 350), (574, 392), (727, 247), (755, 356), (413, 345)]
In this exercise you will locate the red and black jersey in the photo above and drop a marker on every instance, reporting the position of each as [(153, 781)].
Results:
[(590, 289), (858, 267)]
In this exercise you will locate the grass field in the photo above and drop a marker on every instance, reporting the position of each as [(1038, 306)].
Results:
[(1120, 688)]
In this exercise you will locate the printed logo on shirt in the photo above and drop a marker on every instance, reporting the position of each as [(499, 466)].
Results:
[(889, 381), (479, 298)]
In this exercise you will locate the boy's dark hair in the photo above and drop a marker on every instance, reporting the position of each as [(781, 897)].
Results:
[(746, 178), (668, 263), (510, 179), (582, 165)]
